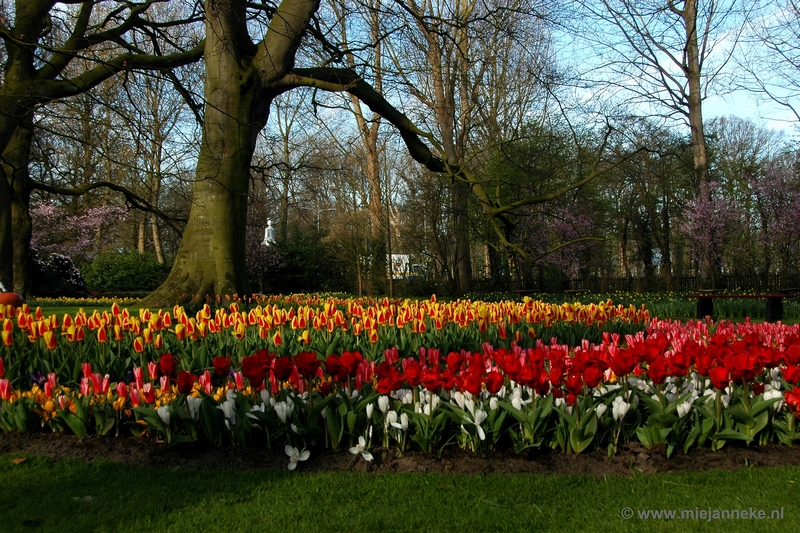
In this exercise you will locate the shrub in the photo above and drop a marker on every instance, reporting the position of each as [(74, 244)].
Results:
[(56, 276), (114, 272)]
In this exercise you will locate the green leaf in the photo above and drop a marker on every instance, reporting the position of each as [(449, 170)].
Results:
[(75, 424), (729, 434), (741, 416)]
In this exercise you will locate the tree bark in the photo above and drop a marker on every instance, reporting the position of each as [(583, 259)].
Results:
[(242, 80), (16, 160)]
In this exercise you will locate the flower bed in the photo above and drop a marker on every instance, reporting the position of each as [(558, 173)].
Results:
[(676, 385)]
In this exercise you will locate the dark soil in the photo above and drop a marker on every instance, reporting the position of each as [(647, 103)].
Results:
[(630, 459)]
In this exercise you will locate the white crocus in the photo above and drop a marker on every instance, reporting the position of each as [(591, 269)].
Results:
[(194, 405), (163, 413), (619, 408), (771, 394), (260, 408), (383, 403), (361, 448), (391, 418), (228, 408), (284, 410), (370, 407), (295, 455), (684, 409), (475, 417), (459, 398), (403, 424), (493, 403), (600, 409), (516, 402)]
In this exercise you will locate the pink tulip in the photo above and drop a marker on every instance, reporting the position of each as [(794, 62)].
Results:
[(152, 370), (139, 376)]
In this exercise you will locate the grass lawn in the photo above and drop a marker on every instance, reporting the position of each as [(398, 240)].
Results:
[(41, 494)]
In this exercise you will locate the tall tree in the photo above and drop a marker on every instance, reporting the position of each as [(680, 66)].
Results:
[(666, 58), (52, 51)]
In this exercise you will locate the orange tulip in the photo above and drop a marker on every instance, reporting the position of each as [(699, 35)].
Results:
[(180, 332), (50, 340)]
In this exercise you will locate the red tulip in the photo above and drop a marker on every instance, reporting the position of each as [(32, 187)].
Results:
[(307, 364), (469, 382), (455, 360), (792, 374), (148, 393), (719, 377), (282, 367), (5, 389), (413, 372), (658, 370), (185, 381), (791, 397), (222, 366), (494, 381), (2, 369), (134, 398), (389, 378), (335, 368), (168, 364), (574, 383), (593, 375), (253, 371), (432, 379), (350, 362)]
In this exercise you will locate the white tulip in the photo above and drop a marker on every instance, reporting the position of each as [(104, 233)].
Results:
[(163, 413)]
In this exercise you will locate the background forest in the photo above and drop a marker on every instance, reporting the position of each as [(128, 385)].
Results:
[(591, 162)]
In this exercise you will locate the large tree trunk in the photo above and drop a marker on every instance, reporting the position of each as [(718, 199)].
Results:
[(242, 80), (17, 158), (211, 257)]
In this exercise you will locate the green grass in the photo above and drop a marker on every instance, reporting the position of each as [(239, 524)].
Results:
[(44, 495)]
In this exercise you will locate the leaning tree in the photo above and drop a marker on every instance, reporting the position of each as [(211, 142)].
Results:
[(55, 50)]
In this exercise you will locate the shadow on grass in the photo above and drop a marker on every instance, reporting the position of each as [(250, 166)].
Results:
[(40, 494)]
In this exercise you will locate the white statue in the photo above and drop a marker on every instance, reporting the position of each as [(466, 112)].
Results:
[(269, 234)]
